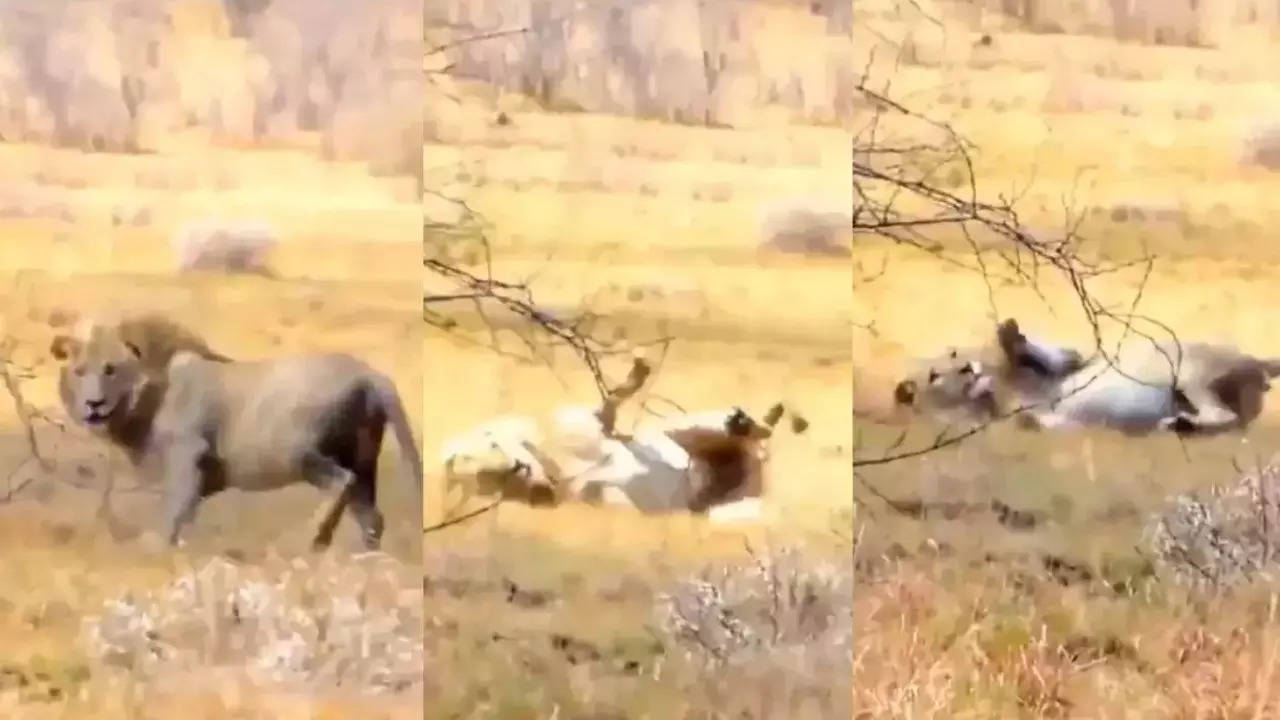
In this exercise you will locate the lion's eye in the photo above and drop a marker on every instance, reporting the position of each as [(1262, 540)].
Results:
[(108, 369)]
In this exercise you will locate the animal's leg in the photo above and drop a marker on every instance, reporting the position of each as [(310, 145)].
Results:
[(1209, 415), (328, 475), (466, 490), (1048, 360), (183, 485), (363, 493), (364, 508), (608, 413)]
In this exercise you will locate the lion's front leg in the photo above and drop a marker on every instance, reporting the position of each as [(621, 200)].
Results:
[(183, 470)]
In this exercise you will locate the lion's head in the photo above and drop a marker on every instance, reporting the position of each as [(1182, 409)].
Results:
[(951, 386), (105, 363), (498, 467), (486, 461), (100, 375)]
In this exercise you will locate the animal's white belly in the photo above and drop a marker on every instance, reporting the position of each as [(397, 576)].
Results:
[(650, 473), (1118, 401)]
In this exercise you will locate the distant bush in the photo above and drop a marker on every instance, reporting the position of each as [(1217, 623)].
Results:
[(223, 246), (1262, 146), (806, 228)]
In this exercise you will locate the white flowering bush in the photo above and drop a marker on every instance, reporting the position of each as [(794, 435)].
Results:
[(1224, 535), (315, 623), (785, 607)]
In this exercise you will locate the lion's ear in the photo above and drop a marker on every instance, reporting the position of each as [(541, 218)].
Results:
[(905, 393), (63, 346)]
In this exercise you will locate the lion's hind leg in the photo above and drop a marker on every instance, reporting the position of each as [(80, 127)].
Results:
[(1199, 412), (363, 495), (325, 473)]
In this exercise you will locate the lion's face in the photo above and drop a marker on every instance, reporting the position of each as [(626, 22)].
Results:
[(492, 468), (99, 376), (950, 386)]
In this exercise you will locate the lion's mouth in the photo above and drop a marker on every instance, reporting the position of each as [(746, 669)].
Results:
[(97, 417)]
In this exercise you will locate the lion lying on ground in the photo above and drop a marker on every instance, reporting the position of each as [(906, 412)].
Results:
[(1189, 388), (708, 462), (200, 422)]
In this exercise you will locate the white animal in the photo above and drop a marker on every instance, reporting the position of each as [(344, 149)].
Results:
[(1190, 388), (701, 462)]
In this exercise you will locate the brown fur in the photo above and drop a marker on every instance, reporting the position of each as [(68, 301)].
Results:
[(734, 466)]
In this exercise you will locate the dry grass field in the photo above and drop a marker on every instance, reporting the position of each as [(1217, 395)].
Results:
[(122, 122), (964, 616), (86, 231), (653, 225)]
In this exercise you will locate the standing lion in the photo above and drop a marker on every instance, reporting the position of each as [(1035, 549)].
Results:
[(201, 422)]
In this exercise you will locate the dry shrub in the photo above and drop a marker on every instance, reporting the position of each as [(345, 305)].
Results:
[(768, 637), (316, 623), (1224, 536), (806, 227), (1262, 146), (1076, 92), (954, 638), (785, 610), (224, 246)]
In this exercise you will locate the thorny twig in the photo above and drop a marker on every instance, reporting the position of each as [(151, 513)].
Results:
[(27, 415)]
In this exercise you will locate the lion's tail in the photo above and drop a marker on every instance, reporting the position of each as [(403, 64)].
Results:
[(410, 456)]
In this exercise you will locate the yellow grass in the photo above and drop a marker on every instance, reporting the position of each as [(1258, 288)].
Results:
[(979, 629), (655, 226), (349, 256)]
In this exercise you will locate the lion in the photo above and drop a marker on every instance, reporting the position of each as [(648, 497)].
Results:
[(697, 462), (1189, 388), (200, 422)]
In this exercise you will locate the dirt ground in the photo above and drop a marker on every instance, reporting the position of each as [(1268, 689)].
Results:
[(970, 617), (654, 226), (85, 231)]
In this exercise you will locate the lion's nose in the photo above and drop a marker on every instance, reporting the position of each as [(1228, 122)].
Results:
[(95, 404)]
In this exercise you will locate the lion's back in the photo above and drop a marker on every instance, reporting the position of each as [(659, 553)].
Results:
[(266, 415)]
